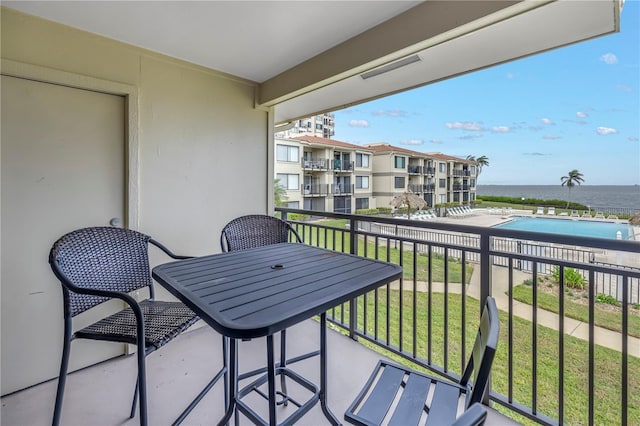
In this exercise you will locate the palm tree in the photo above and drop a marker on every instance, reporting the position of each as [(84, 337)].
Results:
[(279, 193), (570, 180), (481, 161), (410, 200)]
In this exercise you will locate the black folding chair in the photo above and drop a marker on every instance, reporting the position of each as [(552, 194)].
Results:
[(397, 395), (99, 264), (256, 231)]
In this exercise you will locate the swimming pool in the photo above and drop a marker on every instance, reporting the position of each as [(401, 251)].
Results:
[(579, 228)]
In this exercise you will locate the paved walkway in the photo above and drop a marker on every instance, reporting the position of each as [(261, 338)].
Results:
[(575, 328)]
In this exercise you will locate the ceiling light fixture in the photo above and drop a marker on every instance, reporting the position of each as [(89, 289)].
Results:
[(390, 67)]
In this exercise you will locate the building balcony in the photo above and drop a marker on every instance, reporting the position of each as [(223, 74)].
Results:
[(340, 189), (460, 173), (550, 367), (430, 171), (342, 166), (414, 170), (319, 164), (315, 190), (421, 188)]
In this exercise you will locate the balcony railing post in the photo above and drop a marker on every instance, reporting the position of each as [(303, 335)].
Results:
[(353, 249), (485, 286)]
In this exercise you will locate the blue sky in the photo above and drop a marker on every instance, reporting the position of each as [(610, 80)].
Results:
[(576, 107)]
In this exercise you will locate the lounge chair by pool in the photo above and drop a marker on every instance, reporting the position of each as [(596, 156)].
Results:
[(551, 211), (540, 210)]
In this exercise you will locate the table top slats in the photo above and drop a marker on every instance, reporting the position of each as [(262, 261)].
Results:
[(242, 294)]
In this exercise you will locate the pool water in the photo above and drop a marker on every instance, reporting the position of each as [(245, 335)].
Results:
[(578, 228)]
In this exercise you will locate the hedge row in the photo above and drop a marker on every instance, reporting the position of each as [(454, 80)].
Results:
[(533, 202)]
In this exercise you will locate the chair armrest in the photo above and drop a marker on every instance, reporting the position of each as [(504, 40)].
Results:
[(167, 251)]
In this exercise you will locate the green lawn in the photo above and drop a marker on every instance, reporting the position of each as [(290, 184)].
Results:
[(607, 386), (603, 318), (338, 240)]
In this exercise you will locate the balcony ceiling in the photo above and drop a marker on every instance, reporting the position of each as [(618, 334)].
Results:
[(309, 56)]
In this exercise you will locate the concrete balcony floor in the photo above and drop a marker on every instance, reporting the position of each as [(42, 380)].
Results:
[(101, 394)]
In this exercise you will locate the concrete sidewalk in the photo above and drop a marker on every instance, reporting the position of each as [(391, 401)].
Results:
[(572, 327), (500, 281)]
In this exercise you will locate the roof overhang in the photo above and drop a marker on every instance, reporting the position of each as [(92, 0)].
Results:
[(449, 38)]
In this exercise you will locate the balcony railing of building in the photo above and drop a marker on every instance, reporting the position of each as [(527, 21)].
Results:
[(414, 170), (315, 164), (315, 190), (342, 166), (570, 341), (341, 189), (460, 173), (420, 188), (429, 170)]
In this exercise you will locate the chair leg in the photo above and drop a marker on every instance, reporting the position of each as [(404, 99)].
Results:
[(135, 399), (142, 385), (64, 366)]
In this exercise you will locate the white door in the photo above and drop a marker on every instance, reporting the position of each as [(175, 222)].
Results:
[(63, 168)]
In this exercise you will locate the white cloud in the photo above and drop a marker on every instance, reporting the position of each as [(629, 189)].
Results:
[(511, 75), (581, 114), (535, 128), (625, 88), (547, 121), (473, 136), (551, 137), (609, 58), (464, 125), (412, 142), (501, 129), (358, 123), (390, 113), (606, 131), (632, 139), (437, 141)]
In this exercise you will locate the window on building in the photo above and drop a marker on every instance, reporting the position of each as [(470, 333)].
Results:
[(318, 126), (362, 203), (287, 153), (472, 183), (442, 198), (362, 160), (398, 182), (442, 183), (289, 181), (292, 204), (442, 167), (399, 162), (362, 182), (473, 170)]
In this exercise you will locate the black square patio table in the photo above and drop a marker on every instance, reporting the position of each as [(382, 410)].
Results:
[(260, 291)]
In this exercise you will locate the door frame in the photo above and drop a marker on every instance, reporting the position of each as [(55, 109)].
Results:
[(129, 92)]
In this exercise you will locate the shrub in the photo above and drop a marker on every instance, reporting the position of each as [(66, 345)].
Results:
[(605, 298), (367, 211), (572, 278)]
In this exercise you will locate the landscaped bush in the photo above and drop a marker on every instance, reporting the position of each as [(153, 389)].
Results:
[(605, 298), (367, 211), (572, 278), (532, 202)]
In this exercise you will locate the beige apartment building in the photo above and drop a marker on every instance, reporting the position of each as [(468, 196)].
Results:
[(436, 177), (329, 175), (324, 174)]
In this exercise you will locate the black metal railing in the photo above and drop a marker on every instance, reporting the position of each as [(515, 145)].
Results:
[(342, 166), (570, 341), (315, 164), (341, 189), (315, 190), (414, 169)]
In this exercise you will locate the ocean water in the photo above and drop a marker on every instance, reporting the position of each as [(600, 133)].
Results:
[(599, 197)]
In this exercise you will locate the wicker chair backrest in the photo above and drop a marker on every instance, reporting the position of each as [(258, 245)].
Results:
[(103, 258), (256, 231)]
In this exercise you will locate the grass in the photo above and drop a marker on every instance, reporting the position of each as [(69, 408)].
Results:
[(338, 239), (605, 318), (448, 334)]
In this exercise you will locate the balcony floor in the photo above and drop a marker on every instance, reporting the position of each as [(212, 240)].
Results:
[(101, 394)]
